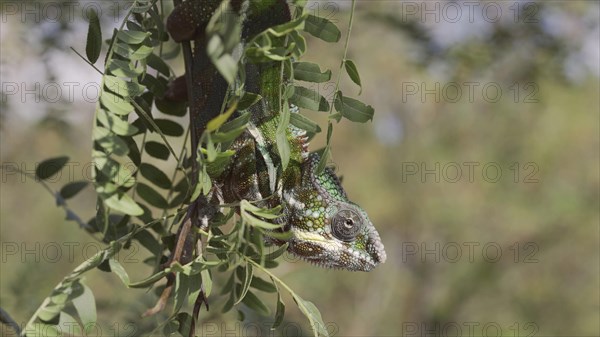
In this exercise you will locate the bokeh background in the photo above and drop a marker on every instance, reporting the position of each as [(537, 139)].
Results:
[(480, 170)]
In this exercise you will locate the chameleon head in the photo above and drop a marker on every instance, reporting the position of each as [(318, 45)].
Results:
[(328, 229)]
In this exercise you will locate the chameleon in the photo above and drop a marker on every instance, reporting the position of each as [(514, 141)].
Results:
[(324, 227)]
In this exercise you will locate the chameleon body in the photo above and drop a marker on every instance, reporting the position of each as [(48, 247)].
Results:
[(326, 228)]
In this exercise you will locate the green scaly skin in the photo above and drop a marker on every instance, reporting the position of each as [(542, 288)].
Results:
[(326, 228)]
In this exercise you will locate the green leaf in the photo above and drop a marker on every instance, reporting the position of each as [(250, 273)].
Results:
[(194, 290), (125, 204), (352, 109), (310, 72), (149, 195), (157, 150), (268, 213), (170, 107), (322, 28), (149, 280), (256, 304), (263, 285), (221, 137), (227, 66), (50, 167), (122, 49), (170, 328), (121, 68), (171, 54), (277, 253), (300, 3), (216, 122), (122, 87), (85, 304), (71, 189), (302, 122), (169, 127), (132, 37), (93, 44), (314, 316), (141, 53), (299, 44), (134, 151), (185, 323), (238, 122), (353, 73), (206, 281), (220, 163), (204, 183), (69, 324), (225, 63), (156, 85), (248, 100), (157, 63), (110, 142), (155, 175), (182, 288), (148, 241), (280, 313), (309, 99), (115, 103), (50, 313), (118, 174), (288, 27), (215, 47), (248, 274), (253, 221), (283, 145), (117, 268), (116, 124), (283, 236), (229, 304), (323, 161), (232, 129), (211, 150)]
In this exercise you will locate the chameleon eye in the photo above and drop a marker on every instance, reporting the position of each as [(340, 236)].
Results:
[(346, 225)]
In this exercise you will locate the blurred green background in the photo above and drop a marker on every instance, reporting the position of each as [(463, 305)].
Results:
[(480, 171)]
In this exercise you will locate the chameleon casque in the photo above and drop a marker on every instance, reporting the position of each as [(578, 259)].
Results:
[(326, 228)]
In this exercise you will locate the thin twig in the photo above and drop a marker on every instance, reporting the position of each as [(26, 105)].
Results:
[(164, 297), (86, 61), (9, 321), (190, 219)]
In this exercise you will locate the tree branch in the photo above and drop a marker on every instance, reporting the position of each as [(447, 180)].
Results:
[(8, 321)]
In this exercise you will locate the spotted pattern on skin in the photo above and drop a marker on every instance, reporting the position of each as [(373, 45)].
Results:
[(310, 210), (326, 228), (310, 203)]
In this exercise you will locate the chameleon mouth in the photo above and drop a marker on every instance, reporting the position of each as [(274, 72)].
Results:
[(375, 248), (364, 263), (338, 255)]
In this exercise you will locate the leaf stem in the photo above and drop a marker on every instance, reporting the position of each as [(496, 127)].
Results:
[(346, 44), (297, 299), (326, 153)]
